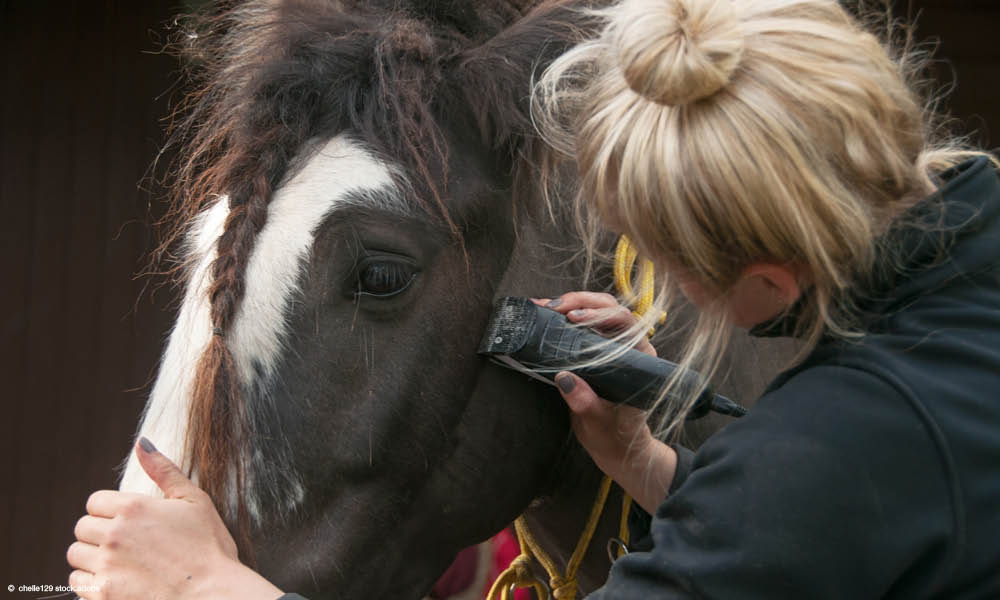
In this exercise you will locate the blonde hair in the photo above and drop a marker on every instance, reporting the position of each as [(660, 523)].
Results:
[(719, 133)]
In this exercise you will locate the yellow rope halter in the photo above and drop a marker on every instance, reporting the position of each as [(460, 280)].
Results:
[(564, 587)]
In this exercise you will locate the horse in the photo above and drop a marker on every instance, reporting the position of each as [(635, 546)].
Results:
[(354, 188)]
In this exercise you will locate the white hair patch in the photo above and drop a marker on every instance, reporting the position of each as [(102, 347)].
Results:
[(339, 173)]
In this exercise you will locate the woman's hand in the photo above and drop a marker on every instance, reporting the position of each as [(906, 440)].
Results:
[(617, 437), (132, 546), (600, 311)]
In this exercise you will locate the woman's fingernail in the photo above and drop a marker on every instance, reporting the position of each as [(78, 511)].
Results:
[(147, 445), (566, 382), (578, 313), (554, 303)]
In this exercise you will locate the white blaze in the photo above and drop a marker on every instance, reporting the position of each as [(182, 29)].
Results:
[(326, 181)]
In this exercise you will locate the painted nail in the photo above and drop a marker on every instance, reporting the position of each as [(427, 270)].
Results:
[(566, 382), (147, 445), (578, 313), (554, 303)]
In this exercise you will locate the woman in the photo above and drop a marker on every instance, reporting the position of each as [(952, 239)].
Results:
[(769, 156)]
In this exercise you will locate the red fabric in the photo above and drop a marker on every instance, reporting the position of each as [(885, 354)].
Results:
[(505, 550), (459, 575), (462, 573)]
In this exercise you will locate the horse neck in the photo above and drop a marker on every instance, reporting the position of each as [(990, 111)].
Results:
[(558, 521)]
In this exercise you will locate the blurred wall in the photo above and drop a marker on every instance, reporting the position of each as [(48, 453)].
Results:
[(967, 60), (81, 97)]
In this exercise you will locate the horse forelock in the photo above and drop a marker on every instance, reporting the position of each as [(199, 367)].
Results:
[(277, 74)]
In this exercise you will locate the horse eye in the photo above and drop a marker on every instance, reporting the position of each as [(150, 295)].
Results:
[(383, 279)]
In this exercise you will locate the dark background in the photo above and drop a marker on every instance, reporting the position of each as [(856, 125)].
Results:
[(82, 95)]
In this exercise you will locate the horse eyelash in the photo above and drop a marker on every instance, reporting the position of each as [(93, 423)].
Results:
[(357, 271)]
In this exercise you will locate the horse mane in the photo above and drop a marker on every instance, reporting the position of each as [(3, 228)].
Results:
[(269, 76)]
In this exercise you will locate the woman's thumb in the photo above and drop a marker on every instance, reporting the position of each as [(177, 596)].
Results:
[(164, 473), (578, 395)]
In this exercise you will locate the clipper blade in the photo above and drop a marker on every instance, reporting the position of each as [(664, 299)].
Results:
[(509, 326)]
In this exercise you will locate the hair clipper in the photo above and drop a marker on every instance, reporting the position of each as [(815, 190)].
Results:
[(540, 342)]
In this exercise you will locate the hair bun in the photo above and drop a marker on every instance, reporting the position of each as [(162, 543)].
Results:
[(675, 52)]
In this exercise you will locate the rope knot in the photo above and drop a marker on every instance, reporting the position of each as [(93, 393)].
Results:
[(563, 589), (520, 568), (517, 575)]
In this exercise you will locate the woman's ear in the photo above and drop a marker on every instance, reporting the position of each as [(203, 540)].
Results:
[(762, 292)]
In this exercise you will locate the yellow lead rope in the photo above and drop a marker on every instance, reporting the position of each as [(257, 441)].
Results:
[(519, 575), (564, 587), (625, 257)]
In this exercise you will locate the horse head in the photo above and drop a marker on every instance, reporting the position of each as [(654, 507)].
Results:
[(353, 191)]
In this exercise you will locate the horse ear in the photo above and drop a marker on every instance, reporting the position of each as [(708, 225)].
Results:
[(494, 76)]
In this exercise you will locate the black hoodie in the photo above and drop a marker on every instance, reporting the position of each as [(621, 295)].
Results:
[(871, 470)]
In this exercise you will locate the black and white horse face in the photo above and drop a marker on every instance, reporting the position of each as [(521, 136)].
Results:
[(381, 444)]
